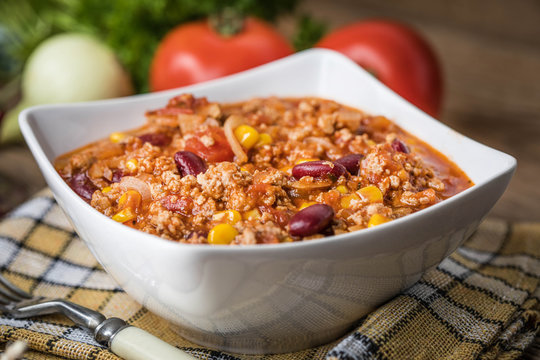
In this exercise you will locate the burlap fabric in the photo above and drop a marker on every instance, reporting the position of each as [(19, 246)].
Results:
[(481, 302)]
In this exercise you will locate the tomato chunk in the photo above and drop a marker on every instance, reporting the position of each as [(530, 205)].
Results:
[(220, 150)]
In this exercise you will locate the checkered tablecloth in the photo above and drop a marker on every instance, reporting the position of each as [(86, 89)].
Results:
[(481, 302)]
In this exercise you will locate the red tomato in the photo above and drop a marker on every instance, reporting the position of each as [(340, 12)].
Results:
[(194, 52), (219, 151), (396, 55)]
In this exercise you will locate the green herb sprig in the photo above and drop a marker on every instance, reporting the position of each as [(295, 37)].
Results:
[(132, 28)]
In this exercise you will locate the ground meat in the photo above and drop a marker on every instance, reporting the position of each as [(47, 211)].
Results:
[(265, 233), (224, 181), (378, 163), (102, 203), (257, 198), (165, 221)]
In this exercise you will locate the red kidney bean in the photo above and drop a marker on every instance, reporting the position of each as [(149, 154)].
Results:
[(156, 139), (189, 164), (83, 186), (351, 163), (318, 169), (400, 146), (311, 220)]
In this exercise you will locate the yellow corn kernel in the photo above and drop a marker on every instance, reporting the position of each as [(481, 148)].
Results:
[(287, 239), (371, 143), (132, 165), (106, 189), (264, 139), (377, 219), (342, 189), (371, 193), (124, 215), (307, 204), (227, 216), (131, 199), (305, 160), (347, 200), (222, 234), (253, 214), (246, 135), (116, 137)]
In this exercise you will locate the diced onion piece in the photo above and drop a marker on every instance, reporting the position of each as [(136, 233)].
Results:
[(232, 123), (131, 182), (107, 173), (320, 184), (131, 199)]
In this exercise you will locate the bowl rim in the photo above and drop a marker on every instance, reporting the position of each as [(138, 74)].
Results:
[(46, 165)]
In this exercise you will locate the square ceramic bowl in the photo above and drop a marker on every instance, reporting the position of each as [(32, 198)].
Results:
[(272, 298)]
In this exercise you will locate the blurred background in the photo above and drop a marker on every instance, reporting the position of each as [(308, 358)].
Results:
[(486, 56), (475, 65)]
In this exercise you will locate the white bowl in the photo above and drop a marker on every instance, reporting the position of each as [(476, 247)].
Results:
[(284, 297)]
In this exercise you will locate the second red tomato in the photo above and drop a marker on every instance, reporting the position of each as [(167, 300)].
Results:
[(396, 55), (195, 52)]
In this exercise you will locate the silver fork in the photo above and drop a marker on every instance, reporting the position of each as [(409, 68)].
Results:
[(126, 341)]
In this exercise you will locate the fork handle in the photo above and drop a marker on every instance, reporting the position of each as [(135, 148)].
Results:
[(132, 343)]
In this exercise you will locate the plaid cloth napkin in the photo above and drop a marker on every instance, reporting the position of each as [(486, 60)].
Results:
[(481, 302)]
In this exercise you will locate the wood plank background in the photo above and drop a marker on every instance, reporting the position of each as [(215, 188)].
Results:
[(490, 55)]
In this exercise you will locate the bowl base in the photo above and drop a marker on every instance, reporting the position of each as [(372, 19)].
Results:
[(255, 344)]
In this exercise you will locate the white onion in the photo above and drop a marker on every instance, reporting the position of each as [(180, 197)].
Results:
[(73, 67), (68, 67), (232, 123), (133, 183)]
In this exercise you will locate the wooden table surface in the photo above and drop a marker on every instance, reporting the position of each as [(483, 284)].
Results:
[(490, 54)]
